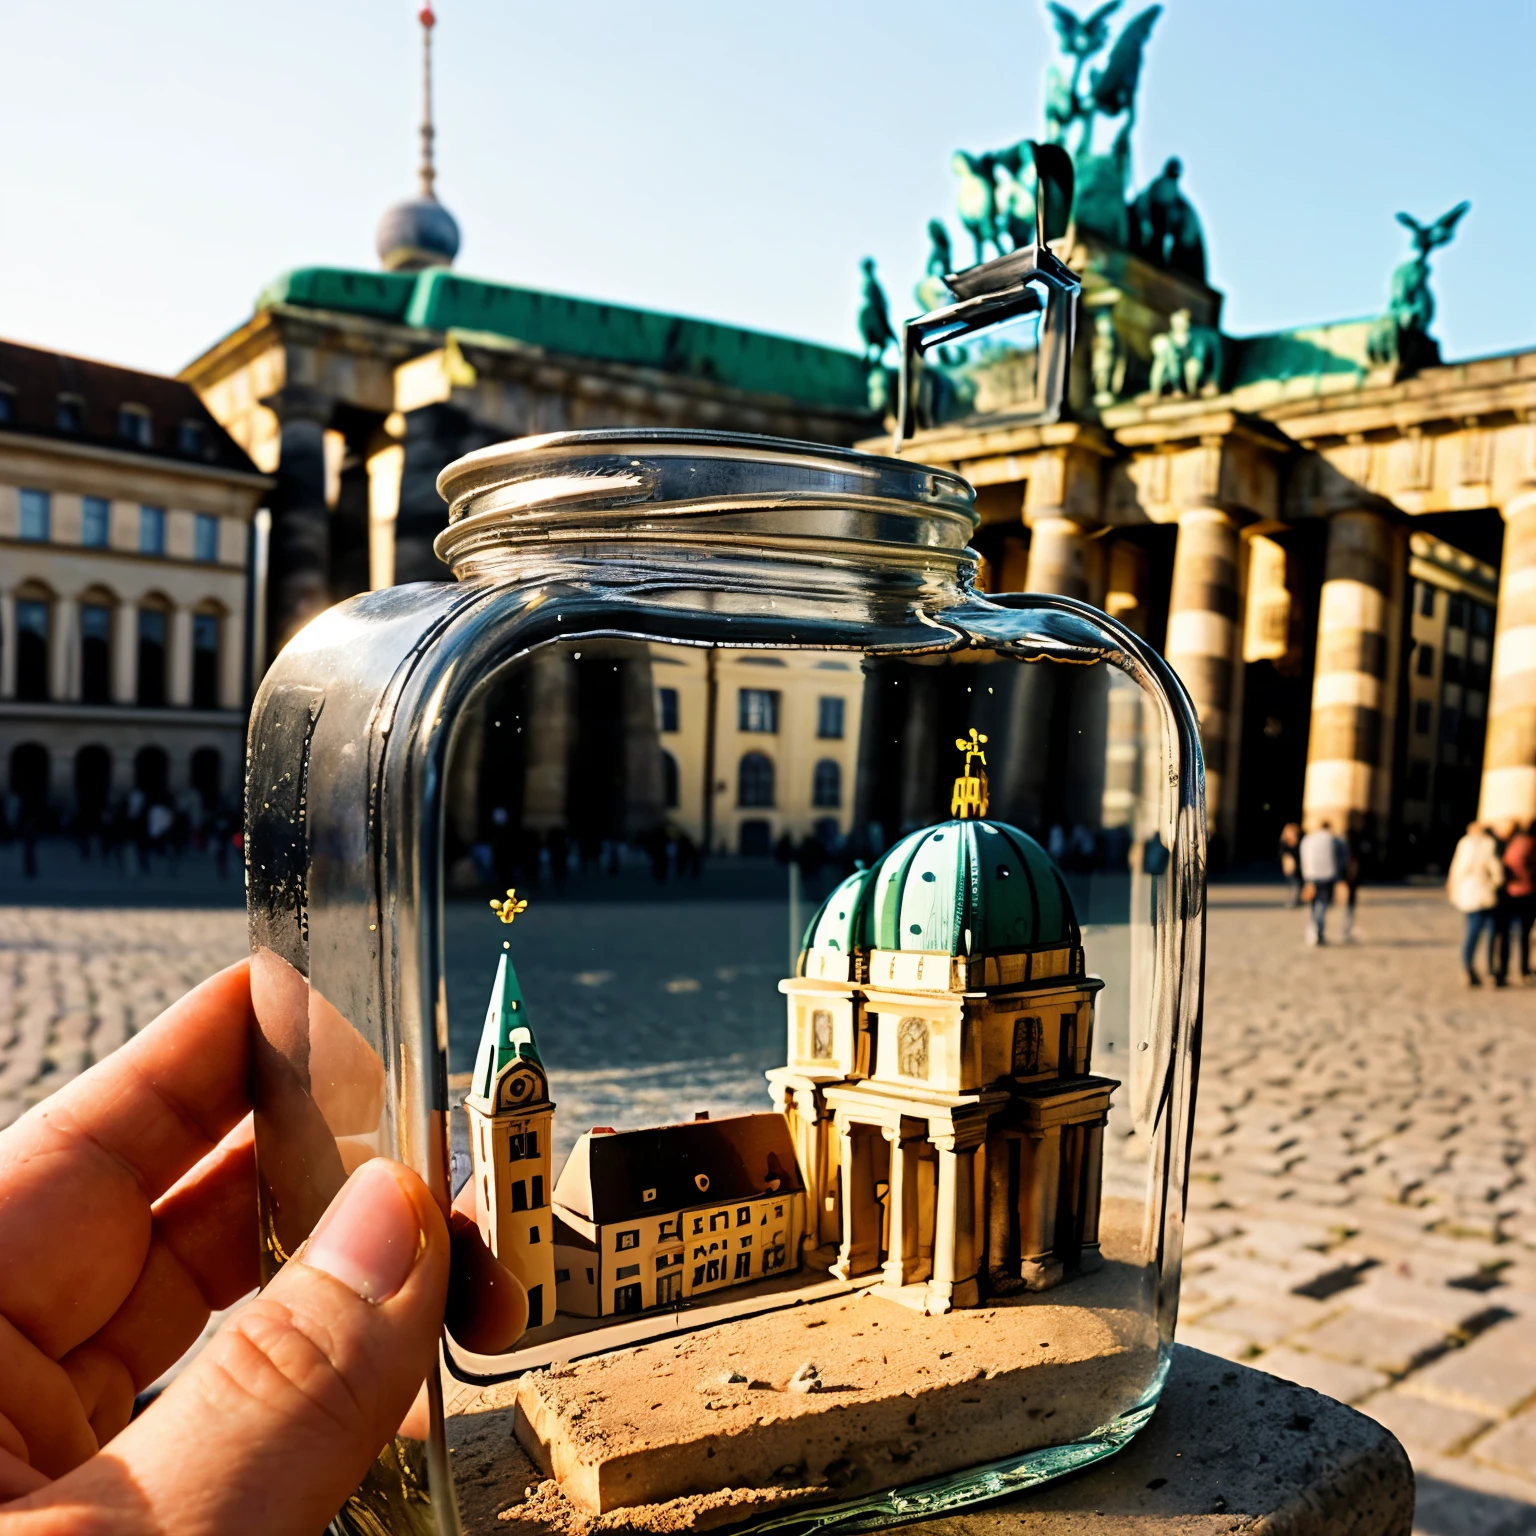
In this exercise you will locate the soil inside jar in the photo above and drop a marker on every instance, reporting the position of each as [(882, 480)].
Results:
[(665, 1437)]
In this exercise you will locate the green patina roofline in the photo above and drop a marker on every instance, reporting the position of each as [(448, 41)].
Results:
[(439, 300)]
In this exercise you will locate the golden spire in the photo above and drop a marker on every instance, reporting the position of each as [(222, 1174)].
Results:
[(970, 797), (509, 909)]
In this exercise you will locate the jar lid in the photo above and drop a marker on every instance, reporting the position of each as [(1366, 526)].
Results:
[(680, 485)]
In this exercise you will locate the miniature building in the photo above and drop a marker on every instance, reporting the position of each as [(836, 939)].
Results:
[(510, 1121), (938, 1082), (656, 1217)]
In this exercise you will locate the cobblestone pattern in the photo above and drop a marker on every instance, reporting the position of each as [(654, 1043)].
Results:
[(1363, 1207)]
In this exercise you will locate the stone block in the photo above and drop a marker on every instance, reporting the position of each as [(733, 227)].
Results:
[(1482, 1378), (1333, 1378), (1449, 1308), (1227, 1346), (1267, 1322), (1380, 1340), (1511, 1447), (1421, 1424)]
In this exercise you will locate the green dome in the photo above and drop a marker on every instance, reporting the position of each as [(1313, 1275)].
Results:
[(961, 888)]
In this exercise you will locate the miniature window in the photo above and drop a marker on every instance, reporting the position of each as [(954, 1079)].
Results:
[(519, 1195), (628, 1240), (536, 1199), (589, 1277), (821, 1035), (1482, 619), (1426, 600), (1456, 611), (189, 439), (562, 1276), (912, 1047), (533, 1234), (719, 1218), (1026, 1046), (829, 719), (666, 699), (1423, 718), (133, 425), (95, 521), (778, 1210), (698, 1275), (71, 416), (151, 530), (36, 507), (1426, 661), (648, 1195), (1452, 668), (205, 537), (714, 1271), (743, 1266), (744, 1242), (757, 710), (627, 1271), (698, 1224), (7, 405), (743, 1215), (524, 1146)]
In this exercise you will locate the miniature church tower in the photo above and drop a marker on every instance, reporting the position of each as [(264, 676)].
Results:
[(510, 1122)]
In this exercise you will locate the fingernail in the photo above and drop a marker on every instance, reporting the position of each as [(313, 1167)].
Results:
[(370, 1236)]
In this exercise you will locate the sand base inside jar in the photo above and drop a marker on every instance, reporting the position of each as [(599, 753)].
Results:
[(662, 1437)]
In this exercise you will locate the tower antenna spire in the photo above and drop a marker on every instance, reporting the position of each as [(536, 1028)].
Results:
[(428, 133)]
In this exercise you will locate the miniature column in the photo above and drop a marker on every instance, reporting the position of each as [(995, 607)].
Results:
[(179, 662), (901, 1254), (299, 583), (1509, 756), (1202, 645), (843, 1268), (1039, 1187), (1056, 561), (954, 1242), (125, 653), (1350, 746), (7, 644), (386, 468), (64, 649), (549, 731)]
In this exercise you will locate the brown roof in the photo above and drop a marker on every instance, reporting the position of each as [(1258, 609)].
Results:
[(743, 1157), (34, 381)]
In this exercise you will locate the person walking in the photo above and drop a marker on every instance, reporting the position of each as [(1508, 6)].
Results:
[(1476, 877), (1290, 859), (1321, 856), (1520, 900)]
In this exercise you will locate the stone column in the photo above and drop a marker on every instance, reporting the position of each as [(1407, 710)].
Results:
[(901, 1201), (1090, 1257), (1348, 747), (1509, 755), (7, 644), (1203, 644), (298, 584), (64, 649), (386, 466), (178, 663), (550, 732), (125, 653), (1039, 1190), (1125, 589), (954, 1240), (1056, 562), (231, 662)]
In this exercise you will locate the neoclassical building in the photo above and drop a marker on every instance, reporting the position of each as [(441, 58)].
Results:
[(125, 523)]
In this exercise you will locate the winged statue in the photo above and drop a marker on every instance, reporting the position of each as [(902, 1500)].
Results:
[(1430, 237)]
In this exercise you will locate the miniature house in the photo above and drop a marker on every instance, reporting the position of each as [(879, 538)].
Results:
[(938, 1085), (510, 1121), (656, 1217)]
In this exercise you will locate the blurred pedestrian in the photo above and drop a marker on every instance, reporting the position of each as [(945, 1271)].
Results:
[(1322, 856), (1519, 902), (1355, 848), (1476, 877), (1290, 859)]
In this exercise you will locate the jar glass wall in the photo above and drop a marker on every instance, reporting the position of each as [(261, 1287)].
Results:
[(828, 1098)]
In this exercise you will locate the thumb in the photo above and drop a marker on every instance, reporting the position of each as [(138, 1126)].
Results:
[(278, 1419)]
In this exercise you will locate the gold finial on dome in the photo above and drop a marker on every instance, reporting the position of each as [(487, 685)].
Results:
[(509, 909), (970, 797)]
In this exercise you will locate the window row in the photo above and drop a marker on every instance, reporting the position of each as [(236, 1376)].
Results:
[(135, 423), (757, 712), (151, 638), (36, 526), (1462, 612)]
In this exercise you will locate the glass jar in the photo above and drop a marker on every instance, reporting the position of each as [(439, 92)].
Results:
[(791, 957)]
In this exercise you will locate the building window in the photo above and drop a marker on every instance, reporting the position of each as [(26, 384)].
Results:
[(1456, 611), (1423, 717), (821, 1035), (626, 1271), (536, 1191), (912, 1047), (1418, 780), (32, 620), (829, 719), (133, 425), (36, 515), (757, 710), (95, 521), (152, 627), (1482, 619), (670, 795), (754, 781), (519, 1194), (1026, 1046), (1450, 723), (743, 1266), (626, 1298), (1426, 600), (205, 661), (743, 1215), (562, 1276), (71, 414), (205, 538), (827, 785), (1426, 663), (524, 1145), (533, 1234), (189, 439), (628, 1240), (151, 530), (95, 653), (7, 405), (666, 699)]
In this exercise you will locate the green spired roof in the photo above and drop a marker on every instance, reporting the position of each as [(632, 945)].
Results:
[(958, 888), (440, 299), (506, 1036)]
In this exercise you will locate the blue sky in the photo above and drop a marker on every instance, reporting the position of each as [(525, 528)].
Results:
[(167, 158)]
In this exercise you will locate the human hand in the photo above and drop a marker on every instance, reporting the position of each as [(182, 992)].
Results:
[(127, 1212)]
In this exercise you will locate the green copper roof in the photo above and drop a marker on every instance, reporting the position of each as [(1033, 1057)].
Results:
[(507, 1036), (439, 300), (959, 888)]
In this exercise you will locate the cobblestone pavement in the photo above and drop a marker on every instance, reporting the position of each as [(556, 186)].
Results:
[(1363, 1207)]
